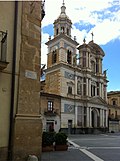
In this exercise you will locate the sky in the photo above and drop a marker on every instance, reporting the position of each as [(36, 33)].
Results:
[(102, 17)]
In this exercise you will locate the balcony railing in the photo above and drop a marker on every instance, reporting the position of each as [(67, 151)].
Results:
[(50, 113), (3, 45), (113, 117), (3, 50)]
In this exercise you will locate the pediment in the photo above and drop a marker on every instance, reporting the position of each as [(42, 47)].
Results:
[(97, 100)]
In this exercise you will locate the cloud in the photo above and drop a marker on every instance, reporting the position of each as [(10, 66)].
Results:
[(100, 16), (44, 50)]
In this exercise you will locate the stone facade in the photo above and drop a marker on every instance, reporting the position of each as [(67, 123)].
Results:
[(20, 110), (114, 110), (28, 126), (81, 83), (50, 116), (53, 82)]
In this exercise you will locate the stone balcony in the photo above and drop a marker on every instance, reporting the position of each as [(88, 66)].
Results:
[(50, 113)]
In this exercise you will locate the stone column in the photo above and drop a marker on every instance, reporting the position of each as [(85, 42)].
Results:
[(76, 115), (75, 85), (28, 123), (103, 112), (105, 93), (99, 65), (101, 118), (87, 87), (100, 89), (95, 90), (87, 59), (88, 116), (106, 118), (90, 119), (82, 88)]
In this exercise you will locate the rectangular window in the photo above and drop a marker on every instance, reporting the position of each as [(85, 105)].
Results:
[(69, 90), (81, 116), (92, 90), (50, 105), (84, 89), (84, 59), (115, 114), (97, 88), (114, 102)]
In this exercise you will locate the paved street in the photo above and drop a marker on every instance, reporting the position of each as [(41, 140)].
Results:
[(103, 147)]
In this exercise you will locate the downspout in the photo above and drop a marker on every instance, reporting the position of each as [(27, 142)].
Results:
[(11, 118)]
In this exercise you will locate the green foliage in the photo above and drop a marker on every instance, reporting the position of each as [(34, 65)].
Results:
[(48, 138), (60, 138)]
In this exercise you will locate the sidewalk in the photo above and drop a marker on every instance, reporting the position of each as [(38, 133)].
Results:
[(72, 154)]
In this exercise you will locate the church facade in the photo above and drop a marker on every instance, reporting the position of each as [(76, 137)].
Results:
[(78, 79)]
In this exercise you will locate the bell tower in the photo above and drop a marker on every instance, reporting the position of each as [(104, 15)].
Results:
[(63, 24), (62, 48)]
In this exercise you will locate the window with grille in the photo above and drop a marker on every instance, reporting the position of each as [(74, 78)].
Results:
[(54, 57), (50, 105), (69, 57), (69, 90), (81, 116)]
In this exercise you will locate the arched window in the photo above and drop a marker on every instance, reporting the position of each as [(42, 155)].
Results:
[(93, 66), (84, 86), (97, 83), (67, 31), (69, 90), (57, 31), (54, 57), (97, 65), (84, 59), (114, 102), (79, 87), (69, 57), (62, 29)]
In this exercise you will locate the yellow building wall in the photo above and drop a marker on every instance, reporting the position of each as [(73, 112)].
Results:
[(7, 24), (5, 76), (116, 107)]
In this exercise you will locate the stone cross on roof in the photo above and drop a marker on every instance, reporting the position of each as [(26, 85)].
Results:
[(92, 35)]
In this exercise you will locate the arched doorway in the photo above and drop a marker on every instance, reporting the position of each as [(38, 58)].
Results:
[(95, 117)]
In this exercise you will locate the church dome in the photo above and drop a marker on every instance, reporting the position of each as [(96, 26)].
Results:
[(96, 47)]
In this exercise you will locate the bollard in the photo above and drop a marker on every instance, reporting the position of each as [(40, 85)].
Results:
[(32, 158)]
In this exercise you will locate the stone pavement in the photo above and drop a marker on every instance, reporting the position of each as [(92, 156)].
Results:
[(72, 154)]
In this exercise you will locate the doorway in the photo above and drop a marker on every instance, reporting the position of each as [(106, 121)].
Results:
[(94, 118), (50, 126), (69, 126)]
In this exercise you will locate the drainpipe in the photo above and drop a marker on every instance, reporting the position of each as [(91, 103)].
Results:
[(11, 118)]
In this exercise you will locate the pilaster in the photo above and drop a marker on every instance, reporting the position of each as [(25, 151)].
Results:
[(28, 124), (88, 116)]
